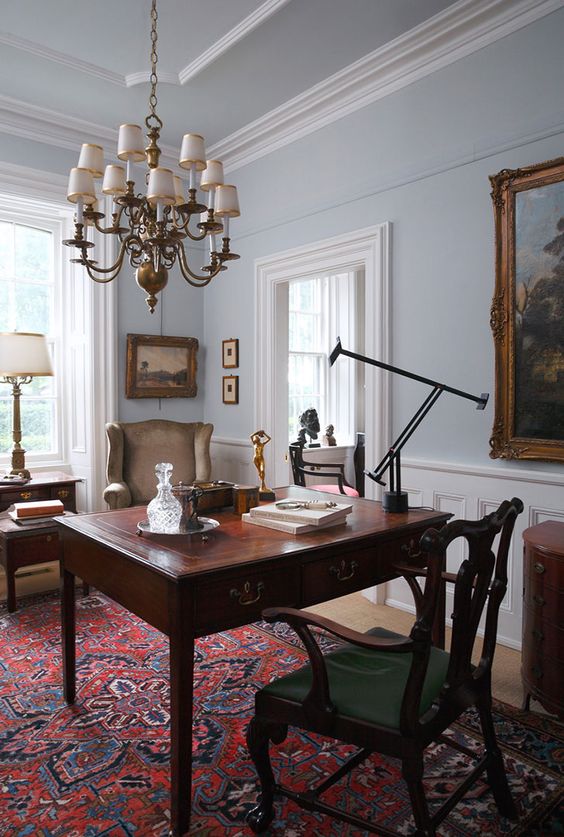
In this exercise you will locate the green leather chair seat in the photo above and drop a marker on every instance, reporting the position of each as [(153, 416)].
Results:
[(367, 685)]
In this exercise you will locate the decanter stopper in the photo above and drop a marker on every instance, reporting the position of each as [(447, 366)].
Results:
[(164, 510)]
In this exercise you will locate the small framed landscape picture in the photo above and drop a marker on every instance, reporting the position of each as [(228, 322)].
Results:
[(230, 389), (230, 353), (161, 367)]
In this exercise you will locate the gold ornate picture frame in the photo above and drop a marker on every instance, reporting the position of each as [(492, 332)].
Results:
[(527, 313), (161, 367)]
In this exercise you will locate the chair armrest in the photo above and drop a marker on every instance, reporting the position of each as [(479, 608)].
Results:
[(406, 569), (298, 618), (117, 495)]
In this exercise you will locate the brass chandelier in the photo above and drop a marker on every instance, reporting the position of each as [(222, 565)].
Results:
[(151, 228)]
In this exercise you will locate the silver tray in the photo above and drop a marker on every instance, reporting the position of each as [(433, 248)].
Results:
[(208, 523)]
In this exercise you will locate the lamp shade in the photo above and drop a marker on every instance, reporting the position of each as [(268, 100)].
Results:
[(130, 143), (24, 353), (81, 185), (92, 158), (212, 175), (192, 151), (161, 187), (114, 181), (227, 202), (179, 190)]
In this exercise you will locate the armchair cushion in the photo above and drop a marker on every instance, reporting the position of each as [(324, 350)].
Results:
[(136, 447), (367, 685)]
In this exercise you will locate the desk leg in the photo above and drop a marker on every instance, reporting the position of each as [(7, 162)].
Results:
[(68, 625), (181, 698)]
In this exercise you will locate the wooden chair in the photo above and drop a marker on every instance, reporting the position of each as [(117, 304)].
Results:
[(400, 693), (302, 469)]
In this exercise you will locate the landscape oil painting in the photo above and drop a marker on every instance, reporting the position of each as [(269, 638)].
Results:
[(161, 367), (528, 313)]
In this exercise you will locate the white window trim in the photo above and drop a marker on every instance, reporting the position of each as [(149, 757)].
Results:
[(85, 443), (367, 249)]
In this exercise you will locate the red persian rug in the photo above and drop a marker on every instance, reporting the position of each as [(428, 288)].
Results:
[(101, 767)]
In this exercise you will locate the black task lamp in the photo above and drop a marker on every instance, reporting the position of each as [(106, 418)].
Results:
[(395, 500)]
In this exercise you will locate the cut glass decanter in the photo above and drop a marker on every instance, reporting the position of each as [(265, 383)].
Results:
[(164, 510)]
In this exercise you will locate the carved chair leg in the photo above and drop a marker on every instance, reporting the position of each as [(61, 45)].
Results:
[(497, 776), (412, 772), (259, 735)]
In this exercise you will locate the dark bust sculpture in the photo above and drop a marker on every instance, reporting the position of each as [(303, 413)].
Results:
[(309, 426)]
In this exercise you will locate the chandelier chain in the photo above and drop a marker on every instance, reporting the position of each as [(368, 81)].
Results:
[(154, 60)]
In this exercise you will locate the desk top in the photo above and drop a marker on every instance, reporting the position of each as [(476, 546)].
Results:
[(235, 543)]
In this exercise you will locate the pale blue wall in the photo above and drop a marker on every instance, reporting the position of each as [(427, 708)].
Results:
[(420, 159)]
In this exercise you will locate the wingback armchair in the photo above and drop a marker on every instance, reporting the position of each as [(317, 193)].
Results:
[(134, 448)]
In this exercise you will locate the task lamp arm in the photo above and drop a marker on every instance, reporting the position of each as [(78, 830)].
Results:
[(396, 500)]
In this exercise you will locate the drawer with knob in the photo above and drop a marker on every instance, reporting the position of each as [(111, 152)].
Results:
[(330, 578), (240, 599)]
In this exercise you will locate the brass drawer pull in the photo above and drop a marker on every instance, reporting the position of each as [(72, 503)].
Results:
[(539, 568), (25, 495), (49, 538), (63, 493), (247, 597), (341, 571), (412, 549), (539, 600), (537, 671), (538, 635)]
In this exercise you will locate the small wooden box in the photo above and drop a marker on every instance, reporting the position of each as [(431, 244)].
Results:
[(216, 495)]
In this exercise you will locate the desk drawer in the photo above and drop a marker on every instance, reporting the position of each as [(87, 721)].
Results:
[(240, 599), (36, 549), (66, 494), (354, 570), (23, 495)]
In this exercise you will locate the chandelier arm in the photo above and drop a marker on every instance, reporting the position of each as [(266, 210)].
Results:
[(92, 269), (191, 277)]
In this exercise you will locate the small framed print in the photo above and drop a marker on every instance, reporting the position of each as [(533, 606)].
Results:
[(230, 389), (230, 353)]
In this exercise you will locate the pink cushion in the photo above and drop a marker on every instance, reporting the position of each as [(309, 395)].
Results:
[(334, 489)]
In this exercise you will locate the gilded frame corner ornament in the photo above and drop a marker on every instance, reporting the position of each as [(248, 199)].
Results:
[(525, 315)]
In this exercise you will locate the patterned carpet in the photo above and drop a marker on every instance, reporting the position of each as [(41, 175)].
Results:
[(101, 767)]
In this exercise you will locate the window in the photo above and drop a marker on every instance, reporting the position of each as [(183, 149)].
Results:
[(320, 309), (29, 296)]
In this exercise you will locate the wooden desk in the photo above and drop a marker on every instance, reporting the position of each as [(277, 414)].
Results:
[(187, 587)]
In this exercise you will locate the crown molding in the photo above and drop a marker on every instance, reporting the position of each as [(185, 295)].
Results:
[(22, 181), (39, 124), (144, 77), (256, 18), (244, 28), (458, 31), (74, 64)]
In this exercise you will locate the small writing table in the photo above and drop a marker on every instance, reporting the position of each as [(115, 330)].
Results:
[(188, 587)]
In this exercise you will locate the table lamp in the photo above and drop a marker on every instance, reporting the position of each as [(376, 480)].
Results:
[(23, 356)]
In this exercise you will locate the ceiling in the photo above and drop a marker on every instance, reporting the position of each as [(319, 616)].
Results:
[(222, 63)]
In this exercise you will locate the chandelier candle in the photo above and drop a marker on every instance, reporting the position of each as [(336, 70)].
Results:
[(151, 228)]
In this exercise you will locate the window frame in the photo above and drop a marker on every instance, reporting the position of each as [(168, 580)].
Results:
[(33, 215)]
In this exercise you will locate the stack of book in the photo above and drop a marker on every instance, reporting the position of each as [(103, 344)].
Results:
[(305, 517), (36, 511)]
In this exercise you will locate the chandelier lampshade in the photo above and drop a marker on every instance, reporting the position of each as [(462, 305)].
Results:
[(152, 225)]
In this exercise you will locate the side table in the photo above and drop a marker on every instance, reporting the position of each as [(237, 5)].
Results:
[(542, 667), (36, 543)]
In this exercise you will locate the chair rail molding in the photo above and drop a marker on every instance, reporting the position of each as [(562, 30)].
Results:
[(368, 249)]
